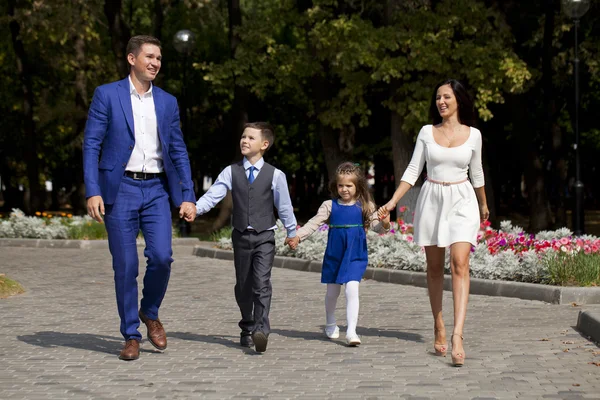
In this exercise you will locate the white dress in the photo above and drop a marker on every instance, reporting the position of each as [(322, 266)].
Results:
[(446, 214)]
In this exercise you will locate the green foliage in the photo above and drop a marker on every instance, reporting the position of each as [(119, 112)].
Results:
[(90, 230), (577, 269), (284, 50), (341, 65), (9, 287), (221, 233)]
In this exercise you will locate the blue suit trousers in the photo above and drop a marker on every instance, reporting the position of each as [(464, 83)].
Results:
[(139, 205)]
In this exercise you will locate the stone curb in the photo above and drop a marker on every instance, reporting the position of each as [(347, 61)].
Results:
[(80, 244), (487, 287), (588, 323)]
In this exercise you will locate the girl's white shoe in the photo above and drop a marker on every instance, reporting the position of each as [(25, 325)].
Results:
[(353, 340), (332, 331)]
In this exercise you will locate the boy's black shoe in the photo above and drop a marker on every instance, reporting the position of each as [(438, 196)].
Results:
[(260, 341), (246, 341)]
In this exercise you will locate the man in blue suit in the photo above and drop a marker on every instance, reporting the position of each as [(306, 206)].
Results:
[(135, 161)]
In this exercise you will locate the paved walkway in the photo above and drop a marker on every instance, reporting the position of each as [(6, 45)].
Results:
[(61, 340)]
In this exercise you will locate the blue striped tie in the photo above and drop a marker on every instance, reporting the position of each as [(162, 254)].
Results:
[(251, 174)]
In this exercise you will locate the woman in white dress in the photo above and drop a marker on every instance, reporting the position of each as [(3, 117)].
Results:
[(450, 207)]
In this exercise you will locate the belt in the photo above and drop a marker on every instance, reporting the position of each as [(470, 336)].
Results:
[(446, 183), (142, 176)]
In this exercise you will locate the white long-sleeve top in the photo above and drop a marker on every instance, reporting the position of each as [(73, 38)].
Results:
[(446, 164), (323, 216)]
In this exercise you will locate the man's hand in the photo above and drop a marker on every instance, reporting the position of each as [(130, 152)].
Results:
[(292, 242), (187, 211), (95, 208)]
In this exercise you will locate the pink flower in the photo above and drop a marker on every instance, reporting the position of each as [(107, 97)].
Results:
[(402, 209), (564, 241)]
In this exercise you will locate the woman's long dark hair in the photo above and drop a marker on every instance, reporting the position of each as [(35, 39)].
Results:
[(363, 195), (466, 113)]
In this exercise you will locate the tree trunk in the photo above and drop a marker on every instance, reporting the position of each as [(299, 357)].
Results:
[(158, 19), (539, 212), (402, 147), (13, 198), (334, 155), (489, 188), (25, 73), (119, 34), (238, 115), (552, 132), (402, 143), (81, 105)]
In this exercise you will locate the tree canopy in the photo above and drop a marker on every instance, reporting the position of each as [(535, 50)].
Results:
[(340, 79)]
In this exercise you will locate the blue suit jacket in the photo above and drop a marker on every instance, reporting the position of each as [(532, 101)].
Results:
[(109, 139)]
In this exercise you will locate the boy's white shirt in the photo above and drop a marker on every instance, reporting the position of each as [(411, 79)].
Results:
[(281, 194)]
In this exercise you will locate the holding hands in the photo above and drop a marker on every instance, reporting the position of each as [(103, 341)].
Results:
[(187, 211), (384, 211), (292, 242)]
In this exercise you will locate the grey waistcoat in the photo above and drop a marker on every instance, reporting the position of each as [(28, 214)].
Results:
[(252, 203)]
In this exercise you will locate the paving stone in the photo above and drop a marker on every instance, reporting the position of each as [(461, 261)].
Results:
[(60, 340)]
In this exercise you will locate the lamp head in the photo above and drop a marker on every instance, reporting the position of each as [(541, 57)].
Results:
[(184, 41), (575, 8)]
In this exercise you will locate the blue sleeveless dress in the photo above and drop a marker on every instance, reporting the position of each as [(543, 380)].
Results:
[(346, 254)]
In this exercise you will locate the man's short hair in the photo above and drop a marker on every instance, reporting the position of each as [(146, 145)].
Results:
[(134, 46), (266, 131)]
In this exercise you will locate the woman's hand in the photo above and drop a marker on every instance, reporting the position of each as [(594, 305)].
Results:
[(384, 211), (385, 221), (484, 213)]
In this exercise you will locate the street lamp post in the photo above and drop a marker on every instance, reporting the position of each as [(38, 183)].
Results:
[(576, 9), (184, 43)]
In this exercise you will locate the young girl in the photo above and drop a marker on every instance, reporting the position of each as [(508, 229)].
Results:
[(349, 214)]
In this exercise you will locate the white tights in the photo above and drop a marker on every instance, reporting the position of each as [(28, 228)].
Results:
[(352, 304)]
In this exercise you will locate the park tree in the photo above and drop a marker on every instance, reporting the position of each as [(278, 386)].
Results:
[(339, 79), (332, 57)]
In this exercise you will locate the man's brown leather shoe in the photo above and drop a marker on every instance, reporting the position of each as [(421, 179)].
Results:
[(156, 332), (131, 350)]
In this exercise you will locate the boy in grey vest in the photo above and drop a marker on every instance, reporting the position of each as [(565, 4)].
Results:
[(256, 187)]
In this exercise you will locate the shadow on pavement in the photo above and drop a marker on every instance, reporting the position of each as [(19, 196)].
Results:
[(320, 336), (234, 342), (84, 341)]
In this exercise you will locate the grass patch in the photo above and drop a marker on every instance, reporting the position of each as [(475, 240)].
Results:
[(221, 233), (95, 231), (87, 231), (578, 269), (8, 287)]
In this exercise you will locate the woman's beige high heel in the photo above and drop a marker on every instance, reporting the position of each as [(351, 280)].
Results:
[(440, 349), (458, 359)]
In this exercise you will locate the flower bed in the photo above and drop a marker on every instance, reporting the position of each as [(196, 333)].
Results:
[(54, 225), (47, 226), (551, 257)]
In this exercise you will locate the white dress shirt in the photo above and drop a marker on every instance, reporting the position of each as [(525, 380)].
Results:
[(147, 152), (281, 195)]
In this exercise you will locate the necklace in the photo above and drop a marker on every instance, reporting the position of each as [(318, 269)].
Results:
[(448, 138)]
